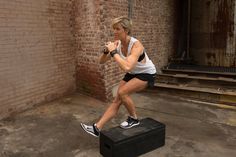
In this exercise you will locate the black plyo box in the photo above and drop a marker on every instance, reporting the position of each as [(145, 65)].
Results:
[(118, 142)]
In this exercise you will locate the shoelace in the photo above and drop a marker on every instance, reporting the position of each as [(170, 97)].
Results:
[(129, 120)]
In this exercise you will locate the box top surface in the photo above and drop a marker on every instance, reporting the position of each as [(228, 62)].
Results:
[(118, 134)]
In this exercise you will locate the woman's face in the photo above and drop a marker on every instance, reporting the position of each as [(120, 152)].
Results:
[(119, 32)]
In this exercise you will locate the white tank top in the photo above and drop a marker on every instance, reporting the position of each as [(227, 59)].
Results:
[(148, 67)]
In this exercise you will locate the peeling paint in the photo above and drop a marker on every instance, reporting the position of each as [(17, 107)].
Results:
[(213, 33), (224, 25)]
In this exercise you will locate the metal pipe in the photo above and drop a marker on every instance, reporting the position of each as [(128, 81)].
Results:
[(188, 29)]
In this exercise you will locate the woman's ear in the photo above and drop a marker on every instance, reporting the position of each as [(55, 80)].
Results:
[(126, 31)]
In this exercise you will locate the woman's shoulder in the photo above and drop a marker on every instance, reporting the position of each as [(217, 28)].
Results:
[(133, 39)]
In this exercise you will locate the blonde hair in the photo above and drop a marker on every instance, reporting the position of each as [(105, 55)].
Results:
[(125, 22)]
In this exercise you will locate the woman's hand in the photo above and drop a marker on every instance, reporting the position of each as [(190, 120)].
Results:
[(111, 45)]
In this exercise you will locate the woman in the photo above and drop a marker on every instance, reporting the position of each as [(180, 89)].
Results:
[(131, 57)]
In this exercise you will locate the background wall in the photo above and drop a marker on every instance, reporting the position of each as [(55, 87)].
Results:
[(88, 30), (213, 32), (37, 61)]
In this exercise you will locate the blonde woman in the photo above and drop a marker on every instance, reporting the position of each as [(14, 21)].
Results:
[(130, 55)]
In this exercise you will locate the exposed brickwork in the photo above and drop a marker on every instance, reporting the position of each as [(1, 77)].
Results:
[(88, 38), (37, 62)]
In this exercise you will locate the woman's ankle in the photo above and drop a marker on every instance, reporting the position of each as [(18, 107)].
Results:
[(98, 126), (134, 116)]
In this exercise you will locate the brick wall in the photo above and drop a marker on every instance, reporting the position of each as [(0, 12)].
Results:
[(154, 25), (88, 38), (37, 62)]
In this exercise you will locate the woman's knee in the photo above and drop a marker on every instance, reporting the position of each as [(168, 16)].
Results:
[(122, 94), (117, 101)]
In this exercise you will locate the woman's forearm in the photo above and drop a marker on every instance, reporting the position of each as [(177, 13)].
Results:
[(123, 64), (103, 58)]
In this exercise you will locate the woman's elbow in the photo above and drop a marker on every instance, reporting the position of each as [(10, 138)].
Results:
[(127, 69), (101, 62)]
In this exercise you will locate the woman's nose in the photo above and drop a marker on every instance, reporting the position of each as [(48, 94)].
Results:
[(114, 30)]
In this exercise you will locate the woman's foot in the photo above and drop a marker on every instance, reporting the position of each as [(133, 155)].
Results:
[(91, 129), (129, 123)]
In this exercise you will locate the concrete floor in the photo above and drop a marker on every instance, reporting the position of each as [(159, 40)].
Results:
[(53, 129)]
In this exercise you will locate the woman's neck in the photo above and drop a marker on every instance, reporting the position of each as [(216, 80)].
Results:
[(126, 41)]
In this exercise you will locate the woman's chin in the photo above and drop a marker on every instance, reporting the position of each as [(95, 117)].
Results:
[(116, 38)]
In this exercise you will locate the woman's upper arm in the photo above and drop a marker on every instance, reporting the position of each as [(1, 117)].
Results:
[(136, 51)]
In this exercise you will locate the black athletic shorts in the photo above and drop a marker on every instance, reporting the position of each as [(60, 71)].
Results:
[(143, 76)]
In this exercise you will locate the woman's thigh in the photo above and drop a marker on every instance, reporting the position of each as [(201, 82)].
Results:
[(132, 86)]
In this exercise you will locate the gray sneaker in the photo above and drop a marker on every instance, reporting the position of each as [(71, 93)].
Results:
[(129, 123), (91, 129)]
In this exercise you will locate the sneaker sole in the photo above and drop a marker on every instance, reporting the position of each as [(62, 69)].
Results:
[(82, 126), (130, 126)]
